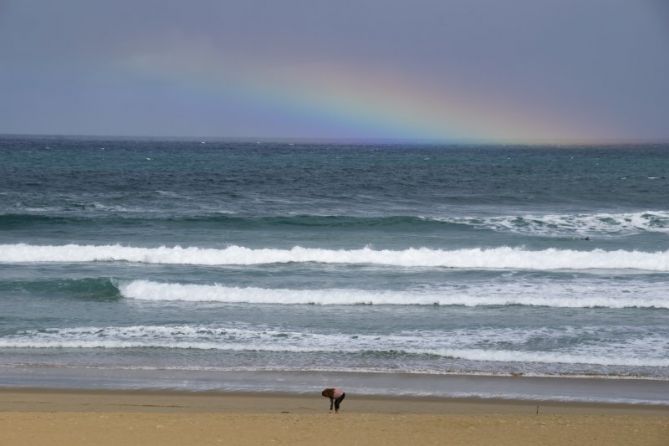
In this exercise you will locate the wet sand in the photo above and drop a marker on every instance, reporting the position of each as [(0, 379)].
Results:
[(54, 417)]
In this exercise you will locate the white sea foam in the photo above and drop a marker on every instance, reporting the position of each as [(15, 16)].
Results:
[(576, 295), (639, 349), (584, 224), (492, 258), (599, 358)]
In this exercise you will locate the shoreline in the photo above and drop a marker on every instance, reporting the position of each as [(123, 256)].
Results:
[(529, 389), (34, 398), (165, 418)]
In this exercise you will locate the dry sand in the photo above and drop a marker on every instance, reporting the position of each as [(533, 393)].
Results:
[(39, 417)]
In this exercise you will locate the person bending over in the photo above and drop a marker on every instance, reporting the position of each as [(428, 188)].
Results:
[(336, 396)]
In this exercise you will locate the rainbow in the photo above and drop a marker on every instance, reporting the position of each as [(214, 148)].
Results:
[(365, 101)]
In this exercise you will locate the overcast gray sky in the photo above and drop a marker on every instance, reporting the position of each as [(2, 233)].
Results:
[(514, 70)]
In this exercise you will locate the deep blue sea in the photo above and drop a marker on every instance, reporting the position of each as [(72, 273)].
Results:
[(175, 256)]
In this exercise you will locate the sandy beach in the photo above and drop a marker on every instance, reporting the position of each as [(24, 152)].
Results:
[(35, 417)]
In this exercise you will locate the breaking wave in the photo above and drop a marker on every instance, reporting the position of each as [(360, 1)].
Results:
[(562, 345), (490, 258), (570, 225), (573, 295), (545, 225)]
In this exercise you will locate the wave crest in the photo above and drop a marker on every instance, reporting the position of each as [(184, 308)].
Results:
[(555, 295), (471, 258), (543, 225)]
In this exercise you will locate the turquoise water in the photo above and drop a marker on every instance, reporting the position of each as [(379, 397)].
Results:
[(119, 254)]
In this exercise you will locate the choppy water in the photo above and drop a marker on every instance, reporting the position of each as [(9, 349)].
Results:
[(179, 255)]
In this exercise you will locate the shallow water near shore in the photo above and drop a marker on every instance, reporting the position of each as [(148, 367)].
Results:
[(125, 261), (451, 387)]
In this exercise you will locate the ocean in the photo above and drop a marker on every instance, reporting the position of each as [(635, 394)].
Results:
[(186, 264)]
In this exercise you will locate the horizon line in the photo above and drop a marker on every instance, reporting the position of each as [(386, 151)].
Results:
[(343, 141)]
